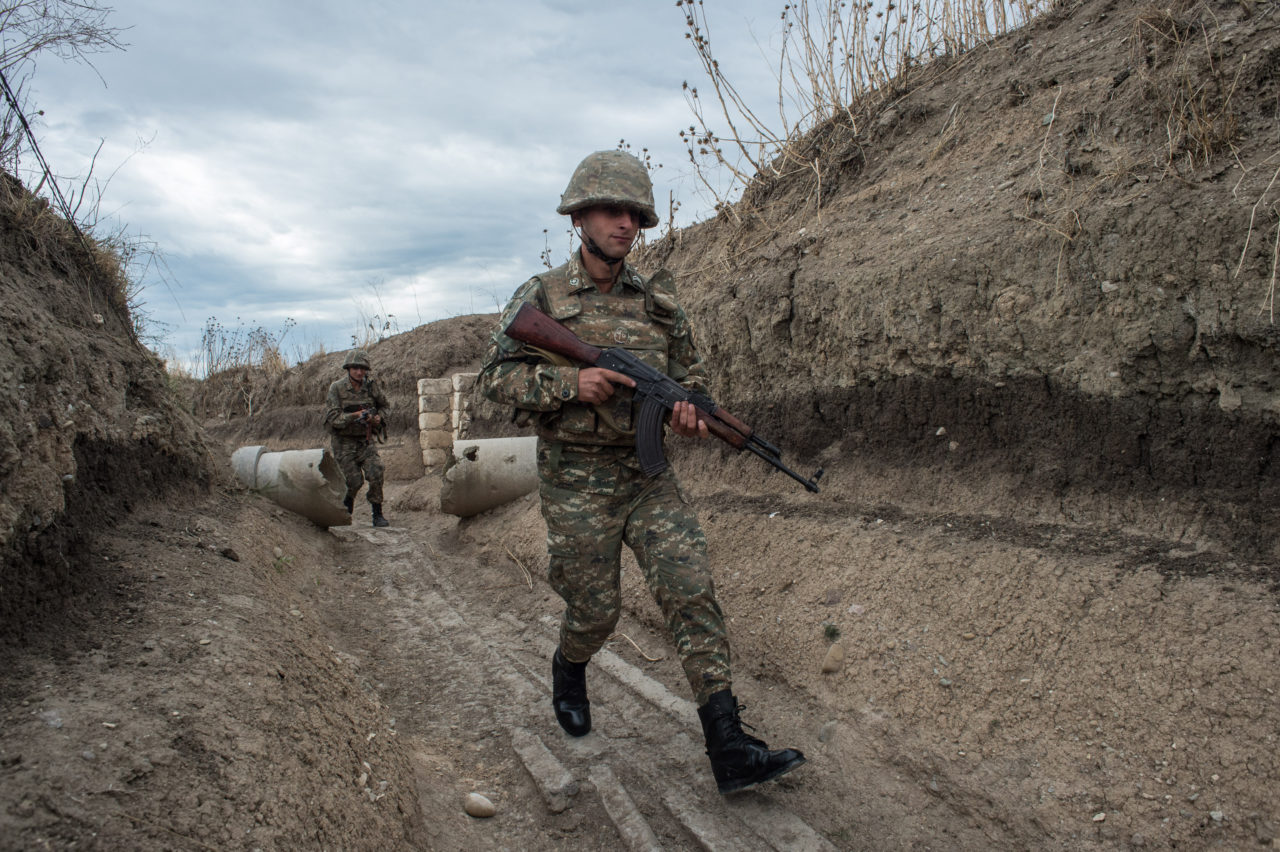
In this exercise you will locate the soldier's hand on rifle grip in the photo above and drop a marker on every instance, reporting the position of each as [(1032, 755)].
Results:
[(595, 384), (685, 421)]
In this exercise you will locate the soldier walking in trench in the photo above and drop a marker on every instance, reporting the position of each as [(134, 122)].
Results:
[(354, 411), (594, 496)]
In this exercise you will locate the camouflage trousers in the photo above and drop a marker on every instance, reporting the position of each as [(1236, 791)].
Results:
[(359, 461), (595, 500)]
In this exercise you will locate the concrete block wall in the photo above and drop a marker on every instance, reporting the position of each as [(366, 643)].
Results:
[(443, 414), (462, 385)]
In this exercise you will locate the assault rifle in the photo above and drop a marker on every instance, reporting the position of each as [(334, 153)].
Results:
[(656, 391), (367, 410)]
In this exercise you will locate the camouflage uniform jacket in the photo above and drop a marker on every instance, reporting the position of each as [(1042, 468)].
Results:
[(343, 396), (639, 314)]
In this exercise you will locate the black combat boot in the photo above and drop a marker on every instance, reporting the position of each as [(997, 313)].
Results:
[(569, 695), (378, 520), (738, 760), (350, 502)]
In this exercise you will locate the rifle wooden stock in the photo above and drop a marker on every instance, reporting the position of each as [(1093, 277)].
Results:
[(532, 326)]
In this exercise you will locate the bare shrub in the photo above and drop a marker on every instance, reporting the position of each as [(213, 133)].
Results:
[(373, 323), (71, 30), (1173, 48), (98, 264), (224, 348), (836, 61)]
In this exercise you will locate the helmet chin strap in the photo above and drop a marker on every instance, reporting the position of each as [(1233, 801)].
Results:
[(595, 250)]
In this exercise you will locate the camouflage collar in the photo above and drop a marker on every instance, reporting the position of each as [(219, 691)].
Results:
[(580, 280)]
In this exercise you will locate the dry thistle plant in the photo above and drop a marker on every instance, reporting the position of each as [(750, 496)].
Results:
[(223, 348), (833, 55)]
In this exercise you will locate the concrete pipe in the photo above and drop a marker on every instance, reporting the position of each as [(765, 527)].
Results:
[(307, 482), (487, 472)]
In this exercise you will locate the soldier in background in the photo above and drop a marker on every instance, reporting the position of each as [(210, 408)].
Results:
[(354, 411), (594, 495)]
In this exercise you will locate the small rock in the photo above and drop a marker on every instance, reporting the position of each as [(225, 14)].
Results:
[(968, 636), (479, 806), (228, 553), (834, 661), (828, 732), (89, 754), (277, 553), (1217, 816), (1138, 841), (1099, 817), (138, 767), (52, 718)]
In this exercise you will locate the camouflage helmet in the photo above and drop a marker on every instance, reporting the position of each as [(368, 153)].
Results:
[(356, 358), (611, 177)]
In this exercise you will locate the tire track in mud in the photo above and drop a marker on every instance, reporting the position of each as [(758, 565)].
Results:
[(463, 680)]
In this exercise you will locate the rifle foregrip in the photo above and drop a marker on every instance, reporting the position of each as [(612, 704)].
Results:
[(722, 431), (733, 422)]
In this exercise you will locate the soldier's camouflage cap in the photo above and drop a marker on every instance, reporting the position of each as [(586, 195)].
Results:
[(611, 177)]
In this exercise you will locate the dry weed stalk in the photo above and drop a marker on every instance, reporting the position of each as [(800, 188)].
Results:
[(950, 131), (528, 578), (100, 264), (1269, 300), (224, 349), (117, 263), (69, 29), (639, 650), (834, 54), (1200, 119)]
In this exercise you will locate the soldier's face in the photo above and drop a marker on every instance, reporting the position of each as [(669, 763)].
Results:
[(357, 374), (613, 227)]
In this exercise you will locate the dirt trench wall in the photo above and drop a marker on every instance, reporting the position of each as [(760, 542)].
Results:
[(89, 426), (1007, 270)]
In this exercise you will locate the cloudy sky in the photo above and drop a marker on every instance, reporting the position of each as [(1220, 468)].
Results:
[(333, 162)]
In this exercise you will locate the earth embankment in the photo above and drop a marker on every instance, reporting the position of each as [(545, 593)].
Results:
[(1034, 261)]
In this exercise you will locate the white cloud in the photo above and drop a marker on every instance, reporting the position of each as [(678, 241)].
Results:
[(295, 154)]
